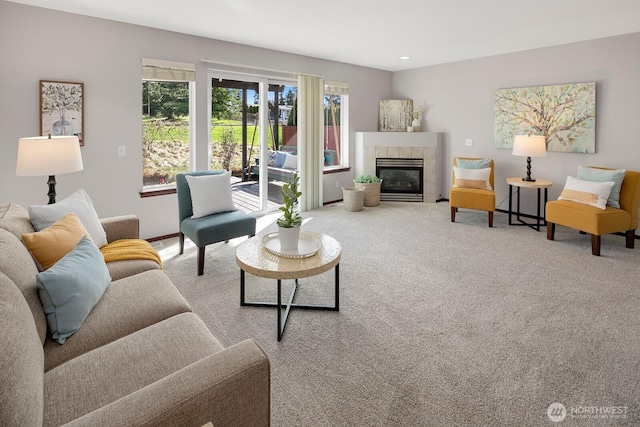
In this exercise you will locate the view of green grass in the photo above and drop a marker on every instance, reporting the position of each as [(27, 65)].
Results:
[(166, 146)]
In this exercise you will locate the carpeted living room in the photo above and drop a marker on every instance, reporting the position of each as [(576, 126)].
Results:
[(440, 323), (494, 284)]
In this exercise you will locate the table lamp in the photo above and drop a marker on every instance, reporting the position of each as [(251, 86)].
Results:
[(52, 155), (529, 146)]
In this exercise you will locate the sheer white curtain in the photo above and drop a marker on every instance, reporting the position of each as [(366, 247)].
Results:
[(310, 140)]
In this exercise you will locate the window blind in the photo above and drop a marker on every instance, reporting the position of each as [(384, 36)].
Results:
[(156, 69)]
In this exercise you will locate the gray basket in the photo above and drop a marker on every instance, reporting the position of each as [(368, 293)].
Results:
[(353, 198)]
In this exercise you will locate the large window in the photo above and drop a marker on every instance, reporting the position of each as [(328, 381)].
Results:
[(336, 126), (166, 122)]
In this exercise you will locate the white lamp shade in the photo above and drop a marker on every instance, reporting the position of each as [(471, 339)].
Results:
[(42, 155), (529, 146)]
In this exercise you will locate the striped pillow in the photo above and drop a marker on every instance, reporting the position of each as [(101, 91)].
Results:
[(590, 193), (472, 178)]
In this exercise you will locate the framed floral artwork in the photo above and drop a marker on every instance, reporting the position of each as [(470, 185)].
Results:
[(62, 109)]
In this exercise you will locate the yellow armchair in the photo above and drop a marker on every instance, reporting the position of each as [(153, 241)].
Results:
[(595, 221), (472, 198)]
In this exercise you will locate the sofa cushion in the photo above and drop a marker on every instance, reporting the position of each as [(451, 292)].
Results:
[(590, 193), (15, 218), (21, 359), (121, 269), (79, 203), (72, 287), (210, 194), (18, 265), (472, 178), (604, 175), (290, 162), (128, 305), (108, 373), (51, 244), (280, 158)]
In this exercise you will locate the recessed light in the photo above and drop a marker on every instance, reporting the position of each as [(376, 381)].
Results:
[(405, 57)]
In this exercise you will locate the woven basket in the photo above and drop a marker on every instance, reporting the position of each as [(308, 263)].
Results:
[(371, 193)]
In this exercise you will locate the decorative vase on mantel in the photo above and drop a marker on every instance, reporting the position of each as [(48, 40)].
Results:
[(415, 124)]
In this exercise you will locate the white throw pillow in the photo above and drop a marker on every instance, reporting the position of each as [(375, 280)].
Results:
[(290, 162), (79, 203), (590, 193), (472, 178), (210, 194)]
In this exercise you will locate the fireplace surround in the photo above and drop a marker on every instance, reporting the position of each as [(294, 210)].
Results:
[(426, 146)]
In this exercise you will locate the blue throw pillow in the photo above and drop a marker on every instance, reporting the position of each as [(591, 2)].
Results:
[(72, 287), (280, 157), (605, 175), (474, 163)]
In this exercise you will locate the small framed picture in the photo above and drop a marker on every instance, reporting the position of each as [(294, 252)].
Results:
[(62, 109)]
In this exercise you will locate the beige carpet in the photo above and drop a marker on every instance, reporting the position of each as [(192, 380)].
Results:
[(440, 324)]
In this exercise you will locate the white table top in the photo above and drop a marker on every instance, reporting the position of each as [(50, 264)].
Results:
[(538, 183), (253, 258)]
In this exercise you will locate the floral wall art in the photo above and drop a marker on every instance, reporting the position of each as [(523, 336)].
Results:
[(62, 109), (564, 114)]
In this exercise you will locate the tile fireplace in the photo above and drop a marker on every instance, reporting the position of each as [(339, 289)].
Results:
[(410, 148)]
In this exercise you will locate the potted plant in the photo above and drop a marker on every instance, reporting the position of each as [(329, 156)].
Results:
[(371, 185), (289, 223)]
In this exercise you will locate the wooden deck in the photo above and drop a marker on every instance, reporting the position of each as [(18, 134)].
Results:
[(245, 195)]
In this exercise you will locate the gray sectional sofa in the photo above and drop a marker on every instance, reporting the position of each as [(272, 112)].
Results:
[(141, 357)]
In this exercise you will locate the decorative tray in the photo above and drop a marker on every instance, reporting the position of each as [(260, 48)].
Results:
[(307, 246)]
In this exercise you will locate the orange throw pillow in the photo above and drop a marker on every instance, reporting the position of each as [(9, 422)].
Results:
[(51, 244)]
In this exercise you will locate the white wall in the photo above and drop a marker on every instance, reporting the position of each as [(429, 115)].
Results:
[(37, 44), (460, 104)]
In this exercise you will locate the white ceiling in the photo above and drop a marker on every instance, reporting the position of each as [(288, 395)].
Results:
[(375, 33)]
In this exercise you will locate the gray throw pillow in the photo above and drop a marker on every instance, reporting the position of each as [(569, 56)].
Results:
[(605, 175), (473, 163), (72, 287), (79, 203)]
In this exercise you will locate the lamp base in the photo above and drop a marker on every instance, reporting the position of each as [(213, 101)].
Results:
[(52, 189), (529, 179)]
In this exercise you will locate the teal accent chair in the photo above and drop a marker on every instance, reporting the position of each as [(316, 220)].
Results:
[(211, 228)]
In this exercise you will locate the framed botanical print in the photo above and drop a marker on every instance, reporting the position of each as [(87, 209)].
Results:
[(62, 109)]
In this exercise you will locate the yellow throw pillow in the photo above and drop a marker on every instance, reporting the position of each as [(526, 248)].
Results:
[(51, 244)]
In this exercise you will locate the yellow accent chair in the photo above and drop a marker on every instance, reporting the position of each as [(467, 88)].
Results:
[(595, 221), (464, 195)]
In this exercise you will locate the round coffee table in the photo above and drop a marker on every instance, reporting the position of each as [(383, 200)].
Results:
[(252, 257)]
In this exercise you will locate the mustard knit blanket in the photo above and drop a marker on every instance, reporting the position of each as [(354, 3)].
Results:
[(125, 249)]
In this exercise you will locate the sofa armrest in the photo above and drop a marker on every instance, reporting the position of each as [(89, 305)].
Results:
[(231, 387), (121, 227)]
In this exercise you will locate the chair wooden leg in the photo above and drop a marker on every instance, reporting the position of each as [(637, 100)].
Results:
[(490, 218), (551, 230), (453, 214), (201, 261), (181, 243), (631, 238), (595, 245)]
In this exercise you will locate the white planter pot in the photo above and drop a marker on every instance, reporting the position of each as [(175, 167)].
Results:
[(415, 124), (289, 238)]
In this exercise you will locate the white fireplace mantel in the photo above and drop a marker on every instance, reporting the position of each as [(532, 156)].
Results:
[(403, 145)]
